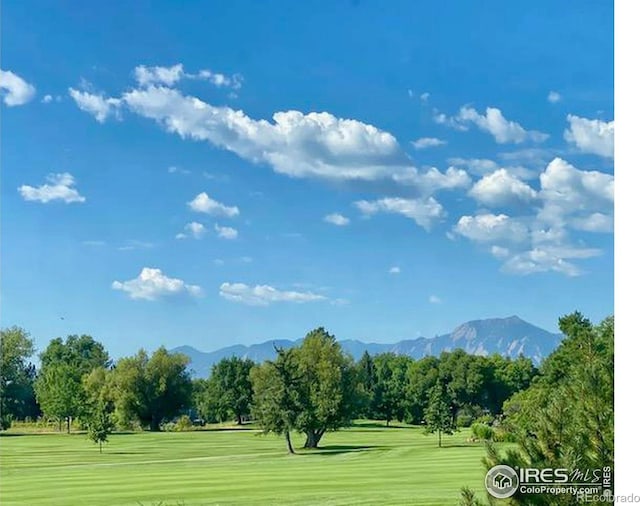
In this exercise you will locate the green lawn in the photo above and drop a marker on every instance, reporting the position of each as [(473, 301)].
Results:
[(367, 464)]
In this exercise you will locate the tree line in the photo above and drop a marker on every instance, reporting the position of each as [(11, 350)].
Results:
[(313, 388)]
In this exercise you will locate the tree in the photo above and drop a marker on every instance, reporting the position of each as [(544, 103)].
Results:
[(565, 418), (367, 378), (390, 391), (59, 387), (152, 389), (329, 391), (230, 387), (438, 415), (421, 377), (276, 394), (17, 397), (100, 424), (60, 393)]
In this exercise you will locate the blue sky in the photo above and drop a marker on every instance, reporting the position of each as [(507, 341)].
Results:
[(229, 172)]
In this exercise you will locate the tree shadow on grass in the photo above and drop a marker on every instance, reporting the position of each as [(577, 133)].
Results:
[(339, 449), (378, 425)]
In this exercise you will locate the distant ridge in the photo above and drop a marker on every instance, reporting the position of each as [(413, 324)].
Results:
[(509, 337)]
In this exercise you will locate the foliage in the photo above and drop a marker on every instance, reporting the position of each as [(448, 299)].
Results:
[(100, 424), (276, 387), (390, 391), (482, 431), (229, 388), (438, 415), (152, 389), (17, 397), (565, 419)]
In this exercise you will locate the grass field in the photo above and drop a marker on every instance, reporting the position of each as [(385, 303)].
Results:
[(367, 464)]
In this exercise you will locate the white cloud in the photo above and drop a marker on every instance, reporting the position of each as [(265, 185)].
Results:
[(99, 106), (499, 251), (152, 284), (263, 295), (501, 188), (548, 258), (590, 135), (15, 90), (427, 142), (177, 170), (394, 270), (554, 97), (59, 187), (202, 203), (491, 228), (226, 232), (434, 299), (503, 130), (484, 166), (595, 222), (47, 99), (193, 229), (337, 219), (220, 80), (569, 192), (429, 181), (423, 211), (424, 97), (146, 76)]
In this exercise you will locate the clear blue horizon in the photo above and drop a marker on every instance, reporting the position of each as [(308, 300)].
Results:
[(216, 173)]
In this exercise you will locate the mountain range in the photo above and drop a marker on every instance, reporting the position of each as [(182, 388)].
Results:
[(509, 337)]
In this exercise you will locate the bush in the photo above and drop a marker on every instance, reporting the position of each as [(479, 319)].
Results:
[(482, 431), (183, 423), (464, 420)]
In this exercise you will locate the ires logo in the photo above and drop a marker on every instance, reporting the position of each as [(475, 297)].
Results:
[(503, 481)]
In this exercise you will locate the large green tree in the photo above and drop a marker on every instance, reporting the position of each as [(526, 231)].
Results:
[(329, 387), (152, 389), (64, 364), (390, 390), (276, 394), (230, 387), (17, 374)]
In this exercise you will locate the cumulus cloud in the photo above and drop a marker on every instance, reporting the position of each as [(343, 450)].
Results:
[(491, 228), (423, 211), (501, 188), (14, 89), (484, 166), (434, 299), (99, 106), (202, 203), (590, 135), (263, 295), (152, 284), (226, 232), (503, 130), (58, 187), (193, 229), (394, 270), (569, 192), (336, 219), (569, 200), (554, 97), (428, 142), (170, 76)]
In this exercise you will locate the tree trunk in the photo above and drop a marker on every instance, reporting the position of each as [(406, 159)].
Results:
[(313, 438), (154, 425), (59, 424), (239, 418), (100, 446), (68, 425), (387, 422), (289, 445), (439, 438)]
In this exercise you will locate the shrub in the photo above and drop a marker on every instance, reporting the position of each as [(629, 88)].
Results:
[(183, 423), (482, 431)]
